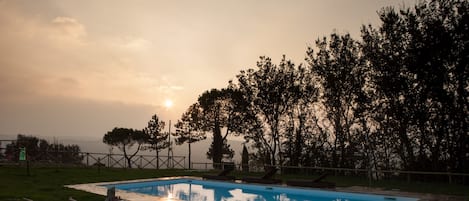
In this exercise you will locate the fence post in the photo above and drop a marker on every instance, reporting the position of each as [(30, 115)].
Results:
[(87, 160), (99, 165), (449, 177), (140, 166)]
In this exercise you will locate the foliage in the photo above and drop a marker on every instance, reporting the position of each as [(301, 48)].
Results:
[(419, 63), (215, 110), (339, 71), (188, 130), (396, 99), (42, 151), (124, 139), (279, 98), (157, 139)]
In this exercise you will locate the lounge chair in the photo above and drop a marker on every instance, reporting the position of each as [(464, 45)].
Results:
[(313, 183), (223, 175), (266, 179)]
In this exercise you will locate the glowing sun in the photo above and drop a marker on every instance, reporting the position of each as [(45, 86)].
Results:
[(168, 103)]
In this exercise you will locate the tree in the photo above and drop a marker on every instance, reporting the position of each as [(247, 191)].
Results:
[(40, 150), (419, 64), (157, 139), (188, 130), (221, 109), (266, 91), (339, 71), (124, 139)]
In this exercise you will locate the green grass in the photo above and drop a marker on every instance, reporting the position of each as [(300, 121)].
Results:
[(47, 183)]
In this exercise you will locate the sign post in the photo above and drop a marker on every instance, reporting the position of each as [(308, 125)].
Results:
[(22, 157), (22, 153)]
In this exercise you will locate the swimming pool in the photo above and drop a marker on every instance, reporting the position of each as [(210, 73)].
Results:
[(194, 189)]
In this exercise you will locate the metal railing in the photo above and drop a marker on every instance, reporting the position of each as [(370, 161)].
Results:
[(90, 159), (447, 177), (138, 161)]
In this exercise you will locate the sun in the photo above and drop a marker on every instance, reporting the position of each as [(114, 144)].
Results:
[(168, 103)]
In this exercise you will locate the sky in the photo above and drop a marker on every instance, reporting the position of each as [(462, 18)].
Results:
[(77, 69)]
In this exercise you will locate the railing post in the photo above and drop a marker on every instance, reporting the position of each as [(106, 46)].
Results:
[(140, 166), (99, 165), (87, 159)]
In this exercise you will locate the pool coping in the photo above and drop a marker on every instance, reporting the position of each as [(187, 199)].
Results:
[(98, 188)]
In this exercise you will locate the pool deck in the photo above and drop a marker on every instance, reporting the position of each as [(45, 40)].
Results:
[(420, 196), (98, 188)]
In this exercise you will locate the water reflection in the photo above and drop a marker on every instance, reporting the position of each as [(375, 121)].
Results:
[(207, 192)]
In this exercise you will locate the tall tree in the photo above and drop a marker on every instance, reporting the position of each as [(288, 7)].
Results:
[(124, 139), (217, 109), (420, 67), (188, 130), (267, 92), (338, 68), (157, 139)]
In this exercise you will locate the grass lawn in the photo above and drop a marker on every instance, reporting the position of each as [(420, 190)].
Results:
[(47, 183)]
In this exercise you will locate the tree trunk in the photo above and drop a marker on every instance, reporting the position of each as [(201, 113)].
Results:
[(189, 154), (217, 146), (157, 159)]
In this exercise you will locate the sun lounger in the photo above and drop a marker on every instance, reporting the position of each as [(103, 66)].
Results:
[(266, 179), (223, 175), (313, 183)]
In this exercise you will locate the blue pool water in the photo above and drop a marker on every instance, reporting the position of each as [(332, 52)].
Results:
[(193, 189)]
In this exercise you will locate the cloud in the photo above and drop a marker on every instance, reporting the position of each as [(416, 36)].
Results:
[(131, 43), (56, 56), (67, 28)]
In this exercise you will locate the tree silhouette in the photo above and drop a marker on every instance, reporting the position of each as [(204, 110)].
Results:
[(41, 150), (397, 99), (188, 128), (124, 139), (338, 68), (419, 63), (157, 139), (267, 92), (217, 108)]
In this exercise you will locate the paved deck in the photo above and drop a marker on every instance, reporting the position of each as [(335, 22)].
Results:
[(421, 196)]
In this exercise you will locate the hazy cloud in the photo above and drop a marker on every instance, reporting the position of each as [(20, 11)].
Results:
[(61, 61)]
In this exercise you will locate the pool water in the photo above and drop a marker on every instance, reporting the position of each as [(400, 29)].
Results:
[(193, 189)]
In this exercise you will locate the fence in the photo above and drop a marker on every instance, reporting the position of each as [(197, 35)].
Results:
[(371, 175), (87, 159), (139, 161)]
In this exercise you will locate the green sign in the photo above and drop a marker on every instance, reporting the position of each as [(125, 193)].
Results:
[(22, 154)]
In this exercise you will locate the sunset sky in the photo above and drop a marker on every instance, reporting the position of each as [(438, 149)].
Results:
[(80, 68)]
